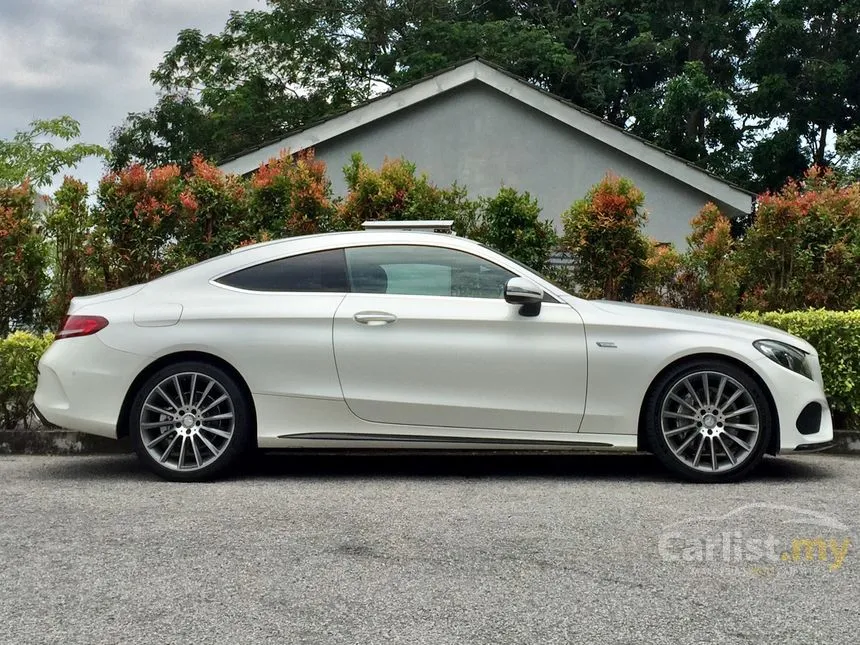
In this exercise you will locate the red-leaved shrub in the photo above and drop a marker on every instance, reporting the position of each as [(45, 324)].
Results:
[(803, 248), (603, 233), (22, 259)]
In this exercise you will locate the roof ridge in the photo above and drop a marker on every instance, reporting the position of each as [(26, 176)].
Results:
[(500, 69)]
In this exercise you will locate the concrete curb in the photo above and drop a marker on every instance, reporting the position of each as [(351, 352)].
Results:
[(65, 442), (846, 442), (58, 442)]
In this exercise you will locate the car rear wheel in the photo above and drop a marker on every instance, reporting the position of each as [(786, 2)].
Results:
[(190, 422), (708, 421)]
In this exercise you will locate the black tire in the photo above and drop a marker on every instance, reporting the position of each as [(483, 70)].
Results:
[(659, 444), (232, 449)]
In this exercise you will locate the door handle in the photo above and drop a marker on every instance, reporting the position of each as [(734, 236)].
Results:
[(374, 317)]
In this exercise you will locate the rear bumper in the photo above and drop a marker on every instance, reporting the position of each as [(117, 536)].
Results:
[(42, 418), (82, 385)]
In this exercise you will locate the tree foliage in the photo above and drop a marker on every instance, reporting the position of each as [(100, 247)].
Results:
[(69, 227), (803, 250), (659, 282), (266, 73), (211, 215), (171, 133), (136, 211), (603, 233), (397, 192), (29, 157), (804, 75), (709, 278), (510, 222), (751, 89), (292, 195), (19, 357), (22, 260)]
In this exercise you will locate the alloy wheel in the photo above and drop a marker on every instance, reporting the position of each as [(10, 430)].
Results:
[(187, 421), (710, 421)]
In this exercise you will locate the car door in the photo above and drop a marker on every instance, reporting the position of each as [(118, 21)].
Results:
[(425, 338)]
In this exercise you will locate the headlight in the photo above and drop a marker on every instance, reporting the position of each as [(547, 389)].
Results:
[(789, 357)]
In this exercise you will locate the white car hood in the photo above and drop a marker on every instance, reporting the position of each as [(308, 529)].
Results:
[(668, 318)]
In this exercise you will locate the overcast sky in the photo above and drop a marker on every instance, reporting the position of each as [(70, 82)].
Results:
[(91, 59)]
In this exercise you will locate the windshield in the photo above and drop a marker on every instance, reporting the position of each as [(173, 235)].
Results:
[(527, 268)]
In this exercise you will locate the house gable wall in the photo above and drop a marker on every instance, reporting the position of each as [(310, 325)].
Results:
[(483, 139)]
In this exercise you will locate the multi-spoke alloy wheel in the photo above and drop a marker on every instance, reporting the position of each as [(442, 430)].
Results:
[(709, 422), (189, 421)]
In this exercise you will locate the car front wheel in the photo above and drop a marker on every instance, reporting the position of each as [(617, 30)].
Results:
[(708, 421), (190, 422)]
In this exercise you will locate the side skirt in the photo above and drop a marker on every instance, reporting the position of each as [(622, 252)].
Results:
[(365, 440)]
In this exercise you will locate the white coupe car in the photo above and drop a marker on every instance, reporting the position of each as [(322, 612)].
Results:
[(417, 340)]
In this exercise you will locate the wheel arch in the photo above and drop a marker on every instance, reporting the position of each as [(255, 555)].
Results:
[(122, 428), (773, 446)]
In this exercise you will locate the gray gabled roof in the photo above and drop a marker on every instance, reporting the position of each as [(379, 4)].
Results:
[(478, 70)]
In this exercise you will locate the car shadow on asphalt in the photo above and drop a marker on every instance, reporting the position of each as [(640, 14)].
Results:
[(306, 465), (578, 466)]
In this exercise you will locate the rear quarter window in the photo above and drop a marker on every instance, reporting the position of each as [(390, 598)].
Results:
[(321, 271)]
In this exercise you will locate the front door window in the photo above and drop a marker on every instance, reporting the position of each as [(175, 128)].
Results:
[(424, 271)]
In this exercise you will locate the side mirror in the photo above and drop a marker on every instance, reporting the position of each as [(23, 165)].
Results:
[(520, 291)]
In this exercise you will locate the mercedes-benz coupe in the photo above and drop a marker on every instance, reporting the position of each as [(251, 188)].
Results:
[(412, 340)]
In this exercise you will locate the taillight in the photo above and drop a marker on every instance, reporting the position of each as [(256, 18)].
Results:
[(73, 326)]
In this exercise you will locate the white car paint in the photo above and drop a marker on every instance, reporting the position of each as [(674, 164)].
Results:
[(441, 362), (450, 372)]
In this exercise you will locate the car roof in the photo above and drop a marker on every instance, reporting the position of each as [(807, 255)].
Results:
[(349, 238), (272, 250), (191, 277)]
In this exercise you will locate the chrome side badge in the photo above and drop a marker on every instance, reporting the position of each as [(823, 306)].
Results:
[(606, 343)]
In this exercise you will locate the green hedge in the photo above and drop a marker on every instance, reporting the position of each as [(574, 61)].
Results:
[(19, 356), (836, 336)]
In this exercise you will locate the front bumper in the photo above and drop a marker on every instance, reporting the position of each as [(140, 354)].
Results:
[(83, 383), (815, 447), (792, 394)]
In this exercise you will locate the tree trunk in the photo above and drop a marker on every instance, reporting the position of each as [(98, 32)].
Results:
[(821, 148)]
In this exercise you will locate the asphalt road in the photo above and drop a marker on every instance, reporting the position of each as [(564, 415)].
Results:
[(428, 549)]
